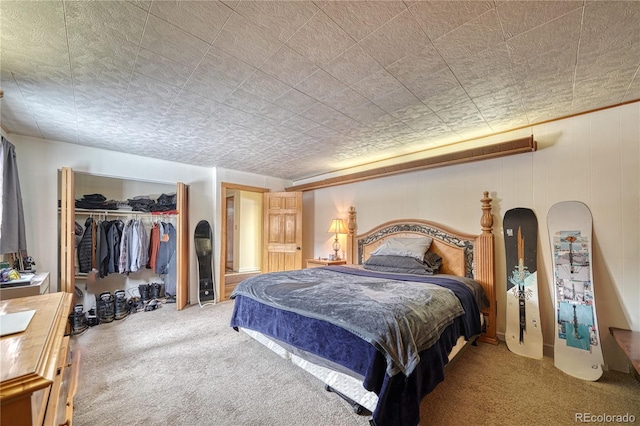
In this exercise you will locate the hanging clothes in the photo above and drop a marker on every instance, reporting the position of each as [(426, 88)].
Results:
[(126, 247), (134, 247), (123, 259), (139, 247), (166, 262), (12, 231), (85, 247), (162, 261), (102, 248), (114, 235), (154, 246)]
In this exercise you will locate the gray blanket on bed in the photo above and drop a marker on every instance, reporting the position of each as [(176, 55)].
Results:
[(399, 318)]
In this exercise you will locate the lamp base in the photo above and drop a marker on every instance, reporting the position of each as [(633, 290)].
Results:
[(336, 248)]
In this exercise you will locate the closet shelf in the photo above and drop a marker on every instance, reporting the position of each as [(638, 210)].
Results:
[(123, 213)]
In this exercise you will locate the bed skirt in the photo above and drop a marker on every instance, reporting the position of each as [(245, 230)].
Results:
[(346, 384)]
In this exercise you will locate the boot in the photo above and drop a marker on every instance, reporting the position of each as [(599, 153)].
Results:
[(157, 290), (106, 307), (144, 292), (78, 320), (92, 318), (121, 307)]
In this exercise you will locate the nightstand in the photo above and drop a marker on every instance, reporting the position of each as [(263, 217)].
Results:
[(316, 263)]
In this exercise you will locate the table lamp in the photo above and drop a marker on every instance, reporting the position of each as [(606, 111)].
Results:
[(337, 227)]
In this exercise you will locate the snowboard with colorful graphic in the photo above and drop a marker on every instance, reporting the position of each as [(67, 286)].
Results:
[(203, 239), (523, 333), (577, 348)]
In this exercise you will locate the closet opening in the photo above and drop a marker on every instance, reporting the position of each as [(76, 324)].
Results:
[(241, 240), (124, 254)]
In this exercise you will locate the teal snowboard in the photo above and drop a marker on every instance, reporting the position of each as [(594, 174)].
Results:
[(577, 347), (523, 333)]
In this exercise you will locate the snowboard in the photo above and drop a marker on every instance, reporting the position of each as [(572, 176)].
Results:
[(577, 346), (523, 333), (203, 238)]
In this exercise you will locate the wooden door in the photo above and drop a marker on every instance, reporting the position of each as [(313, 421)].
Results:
[(282, 250), (67, 231), (182, 246)]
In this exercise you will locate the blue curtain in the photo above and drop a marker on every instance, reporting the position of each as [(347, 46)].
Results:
[(12, 234)]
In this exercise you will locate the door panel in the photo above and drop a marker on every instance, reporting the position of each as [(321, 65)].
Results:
[(182, 247), (67, 231), (282, 231)]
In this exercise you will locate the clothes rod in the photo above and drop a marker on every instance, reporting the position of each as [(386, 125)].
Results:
[(126, 213)]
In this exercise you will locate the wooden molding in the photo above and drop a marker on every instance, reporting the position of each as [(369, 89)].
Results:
[(493, 134), (239, 187), (502, 149)]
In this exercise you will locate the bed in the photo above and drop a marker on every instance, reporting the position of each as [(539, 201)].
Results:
[(380, 338)]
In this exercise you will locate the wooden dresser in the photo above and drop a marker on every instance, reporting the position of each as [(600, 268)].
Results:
[(39, 285), (37, 371)]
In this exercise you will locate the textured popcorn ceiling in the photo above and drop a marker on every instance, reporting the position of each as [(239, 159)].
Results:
[(298, 88)]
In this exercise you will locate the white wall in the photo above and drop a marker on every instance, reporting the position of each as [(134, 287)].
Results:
[(39, 161), (592, 158)]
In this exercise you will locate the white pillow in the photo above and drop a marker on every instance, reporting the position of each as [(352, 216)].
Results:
[(408, 247)]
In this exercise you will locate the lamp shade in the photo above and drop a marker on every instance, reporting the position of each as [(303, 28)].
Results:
[(337, 227)]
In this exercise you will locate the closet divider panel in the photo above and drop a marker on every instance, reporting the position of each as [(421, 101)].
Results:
[(182, 246), (67, 231)]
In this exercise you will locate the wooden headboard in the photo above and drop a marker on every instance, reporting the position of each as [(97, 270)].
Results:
[(462, 254)]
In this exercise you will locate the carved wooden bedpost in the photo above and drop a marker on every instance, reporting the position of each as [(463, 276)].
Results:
[(485, 270), (351, 236)]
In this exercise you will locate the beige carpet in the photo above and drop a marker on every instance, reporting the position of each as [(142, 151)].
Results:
[(190, 368), (491, 386)]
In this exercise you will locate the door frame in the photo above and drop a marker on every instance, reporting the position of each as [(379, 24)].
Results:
[(224, 186)]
